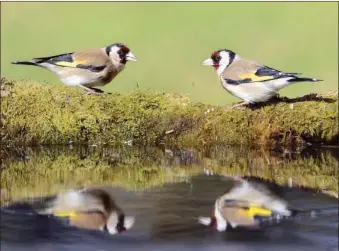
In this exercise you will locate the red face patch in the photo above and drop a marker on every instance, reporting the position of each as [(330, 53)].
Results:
[(216, 59), (124, 49), (213, 223), (122, 52)]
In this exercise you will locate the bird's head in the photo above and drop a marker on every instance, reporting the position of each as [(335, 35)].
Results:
[(220, 59), (118, 223), (216, 221), (120, 53), (208, 221)]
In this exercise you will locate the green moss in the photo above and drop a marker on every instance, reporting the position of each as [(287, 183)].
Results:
[(45, 171), (33, 113)]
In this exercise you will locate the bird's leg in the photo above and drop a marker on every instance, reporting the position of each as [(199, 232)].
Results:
[(87, 89), (90, 90), (93, 92), (240, 105), (97, 91)]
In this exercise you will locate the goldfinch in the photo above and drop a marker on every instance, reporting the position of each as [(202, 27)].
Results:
[(87, 69), (247, 204), (89, 209), (250, 81)]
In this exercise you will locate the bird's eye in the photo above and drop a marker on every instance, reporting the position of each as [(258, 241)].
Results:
[(217, 58)]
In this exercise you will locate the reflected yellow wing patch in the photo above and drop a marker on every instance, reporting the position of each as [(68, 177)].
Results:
[(70, 64), (255, 211), (254, 78), (65, 214)]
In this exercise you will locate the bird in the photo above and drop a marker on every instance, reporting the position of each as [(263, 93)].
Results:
[(89, 208), (88, 68), (249, 80), (248, 204)]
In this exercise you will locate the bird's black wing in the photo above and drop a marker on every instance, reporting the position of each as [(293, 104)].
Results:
[(265, 71), (261, 74), (67, 60), (66, 57)]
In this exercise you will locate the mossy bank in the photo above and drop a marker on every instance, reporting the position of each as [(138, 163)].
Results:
[(34, 113)]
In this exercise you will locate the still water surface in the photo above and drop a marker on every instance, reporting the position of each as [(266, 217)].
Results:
[(166, 190)]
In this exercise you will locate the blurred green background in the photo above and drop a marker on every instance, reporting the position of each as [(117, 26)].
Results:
[(171, 39)]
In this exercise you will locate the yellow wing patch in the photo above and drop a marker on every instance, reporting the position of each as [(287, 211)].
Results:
[(65, 214), (254, 77), (255, 211), (70, 64)]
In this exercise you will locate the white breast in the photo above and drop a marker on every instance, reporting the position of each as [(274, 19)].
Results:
[(256, 92), (77, 201), (75, 80)]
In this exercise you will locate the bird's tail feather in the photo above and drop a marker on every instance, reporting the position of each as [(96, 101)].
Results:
[(297, 79), (25, 62), (313, 211)]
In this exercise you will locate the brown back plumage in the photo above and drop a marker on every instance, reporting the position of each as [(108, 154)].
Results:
[(105, 199), (235, 215), (240, 67), (89, 220), (95, 57)]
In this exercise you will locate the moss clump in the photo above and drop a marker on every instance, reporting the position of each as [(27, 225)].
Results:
[(45, 171), (33, 113)]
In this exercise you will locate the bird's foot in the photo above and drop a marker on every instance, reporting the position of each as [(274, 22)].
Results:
[(91, 90), (93, 93), (228, 107), (239, 106)]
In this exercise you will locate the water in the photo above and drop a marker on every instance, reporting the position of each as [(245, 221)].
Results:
[(166, 190)]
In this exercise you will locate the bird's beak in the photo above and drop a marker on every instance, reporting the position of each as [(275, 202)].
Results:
[(129, 222), (205, 220), (208, 61), (131, 57)]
